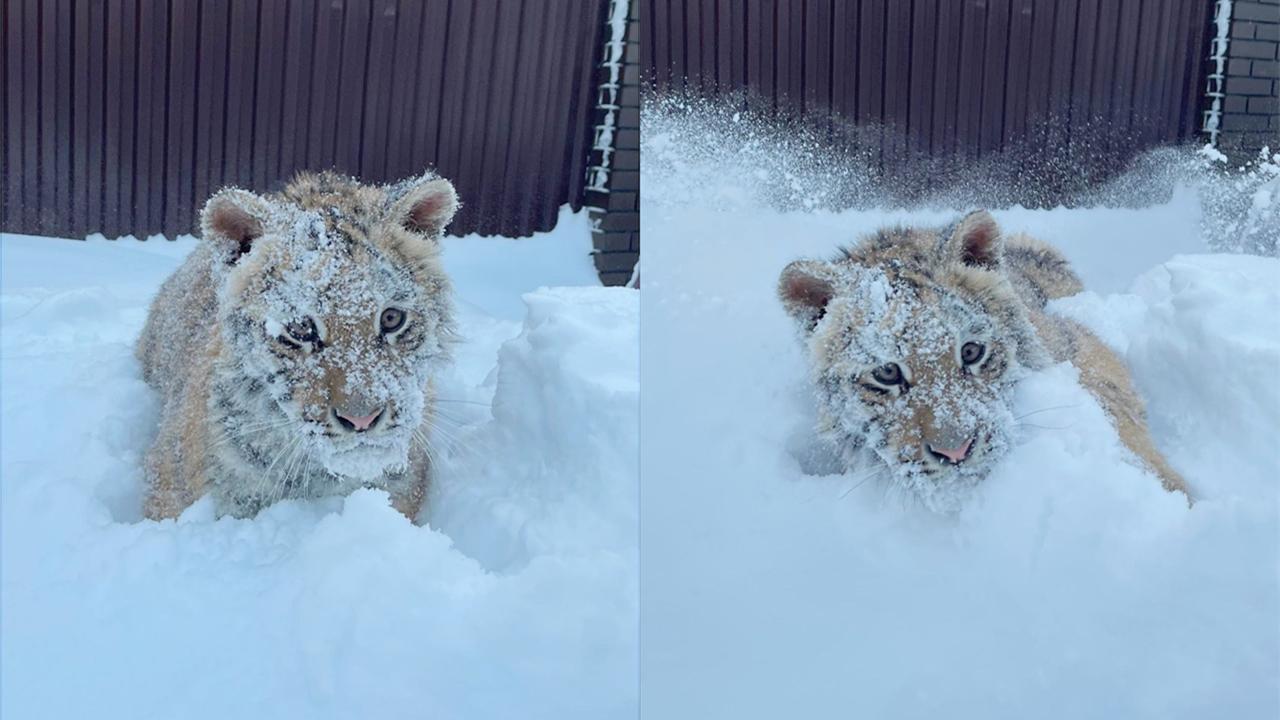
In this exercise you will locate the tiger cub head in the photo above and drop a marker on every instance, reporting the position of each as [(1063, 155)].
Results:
[(335, 309), (915, 338)]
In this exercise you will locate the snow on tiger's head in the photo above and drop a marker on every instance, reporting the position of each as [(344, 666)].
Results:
[(332, 300), (915, 338)]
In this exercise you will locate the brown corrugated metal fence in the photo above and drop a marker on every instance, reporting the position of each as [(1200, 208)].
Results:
[(122, 116), (963, 78)]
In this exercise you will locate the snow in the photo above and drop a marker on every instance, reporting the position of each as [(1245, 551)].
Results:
[(1069, 585), (518, 599), (1241, 212)]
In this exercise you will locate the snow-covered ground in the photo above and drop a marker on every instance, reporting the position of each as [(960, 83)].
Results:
[(1070, 585), (517, 599)]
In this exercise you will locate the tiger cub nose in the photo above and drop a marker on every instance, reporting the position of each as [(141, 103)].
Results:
[(953, 455), (357, 423)]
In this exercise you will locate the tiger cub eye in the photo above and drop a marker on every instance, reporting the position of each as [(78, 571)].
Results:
[(303, 330), (972, 352), (888, 374), (392, 320)]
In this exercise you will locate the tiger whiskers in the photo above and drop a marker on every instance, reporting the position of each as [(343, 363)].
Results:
[(1045, 409), (870, 473), (242, 431)]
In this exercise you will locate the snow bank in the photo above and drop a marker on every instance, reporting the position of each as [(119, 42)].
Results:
[(1070, 586), (517, 600)]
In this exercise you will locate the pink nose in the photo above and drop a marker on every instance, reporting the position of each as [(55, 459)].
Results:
[(955, 455), (359, 422)]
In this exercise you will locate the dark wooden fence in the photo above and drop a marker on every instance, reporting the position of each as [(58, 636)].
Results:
[(122, 116), (962, 78)]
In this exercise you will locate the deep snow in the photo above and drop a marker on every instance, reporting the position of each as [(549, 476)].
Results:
[(1070, 585), (518, 599)]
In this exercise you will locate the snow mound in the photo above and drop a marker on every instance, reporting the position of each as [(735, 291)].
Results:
[(517, 600), (1202, 336), (568, 386)]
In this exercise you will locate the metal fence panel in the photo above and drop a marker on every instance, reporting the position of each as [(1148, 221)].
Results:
[(122, 116), (957, 79)]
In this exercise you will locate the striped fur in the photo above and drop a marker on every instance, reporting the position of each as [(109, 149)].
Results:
[(913, 298), (248, 410)]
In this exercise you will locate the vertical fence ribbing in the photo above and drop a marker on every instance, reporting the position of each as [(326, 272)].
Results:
[(967, 78), (123, 116)]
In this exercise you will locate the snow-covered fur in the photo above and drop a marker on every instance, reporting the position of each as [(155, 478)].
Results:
[(916, 338), (294, 349)]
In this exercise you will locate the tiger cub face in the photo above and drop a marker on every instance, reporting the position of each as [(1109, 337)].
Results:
[(335, 307), (915, 340)]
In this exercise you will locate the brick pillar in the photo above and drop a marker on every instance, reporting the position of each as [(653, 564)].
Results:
[(613, 175), (1251, 101)]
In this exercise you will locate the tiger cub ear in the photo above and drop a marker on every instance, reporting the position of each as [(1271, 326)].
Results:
[(425, 206), (976, 241), (805, 288), (233, 220)]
